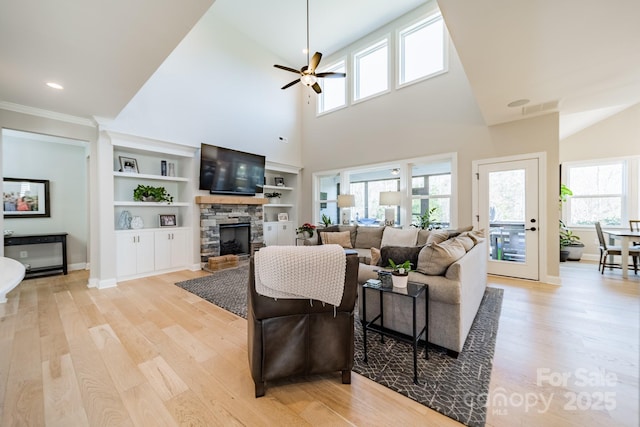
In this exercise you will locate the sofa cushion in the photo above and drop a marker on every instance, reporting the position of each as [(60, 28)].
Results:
[(399, 254), (423, 235), (435, 258), (375, 256), (369, 237), (437, 236), (399, 237), (342, 238)]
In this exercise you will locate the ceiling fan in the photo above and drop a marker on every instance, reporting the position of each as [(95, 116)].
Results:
[(308, 75)]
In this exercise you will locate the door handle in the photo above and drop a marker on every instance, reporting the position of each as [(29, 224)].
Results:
[(530, 229)]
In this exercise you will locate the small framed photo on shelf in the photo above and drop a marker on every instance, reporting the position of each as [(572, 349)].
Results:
[(168, 220), (283, 216), (128, 164), (278, 181)]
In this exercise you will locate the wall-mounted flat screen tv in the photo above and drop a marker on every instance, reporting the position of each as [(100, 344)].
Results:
[(227, 171)]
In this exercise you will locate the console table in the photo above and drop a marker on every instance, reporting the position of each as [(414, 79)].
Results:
[(39, 239)]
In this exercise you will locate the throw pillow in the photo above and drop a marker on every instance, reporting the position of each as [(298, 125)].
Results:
[(398, 237), (476, 236), (437, 236), (341, 238), (353, 230), (453, 232), (375, 256), (399, 254), (369, 237), (331, 229), (435, 258), (466, 241)]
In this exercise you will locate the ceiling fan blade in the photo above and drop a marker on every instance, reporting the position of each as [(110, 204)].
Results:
[(290, 84), (315, 60), (331, 75), (316, 87), (282, 67)]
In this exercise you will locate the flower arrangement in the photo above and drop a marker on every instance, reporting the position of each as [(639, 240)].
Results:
[(306, 228)]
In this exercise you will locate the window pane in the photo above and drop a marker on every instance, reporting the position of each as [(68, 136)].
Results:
[(333, 89), (421, 50), (371, 70), (367, 196), (597, 179), (441, 215), (588, 210), (328, 194), (440, 185)]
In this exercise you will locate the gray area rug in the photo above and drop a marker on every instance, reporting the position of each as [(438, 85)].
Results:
[(456, 388)]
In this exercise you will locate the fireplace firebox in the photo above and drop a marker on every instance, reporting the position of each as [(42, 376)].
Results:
[(235, 239)]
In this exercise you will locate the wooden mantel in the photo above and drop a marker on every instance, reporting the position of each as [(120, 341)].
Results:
[(230, 200)]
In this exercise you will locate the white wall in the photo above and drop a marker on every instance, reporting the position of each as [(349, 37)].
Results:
[(240, 105), (65, 166), (435, 116), (615, 137)]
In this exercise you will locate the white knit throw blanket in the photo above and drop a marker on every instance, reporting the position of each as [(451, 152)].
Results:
[(301, 272)]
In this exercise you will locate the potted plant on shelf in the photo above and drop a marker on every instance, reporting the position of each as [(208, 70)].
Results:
[(400, 273), (146, 193), (273, 196), (306, 230)]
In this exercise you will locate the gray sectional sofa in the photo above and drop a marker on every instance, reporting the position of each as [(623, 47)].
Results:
[(455, 288)]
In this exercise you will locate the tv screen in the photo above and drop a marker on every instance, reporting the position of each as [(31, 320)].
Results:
[(226, 171)]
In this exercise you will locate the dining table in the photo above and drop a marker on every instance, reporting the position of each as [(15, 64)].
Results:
[(625, 237)]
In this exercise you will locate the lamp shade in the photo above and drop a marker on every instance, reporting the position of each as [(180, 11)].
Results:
[(389, 198), (346, 200)]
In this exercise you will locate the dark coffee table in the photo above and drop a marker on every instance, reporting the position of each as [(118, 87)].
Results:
[(414, 291)]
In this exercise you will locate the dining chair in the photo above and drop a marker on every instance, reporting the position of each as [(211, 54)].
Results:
[(634, 225), (611, 250)]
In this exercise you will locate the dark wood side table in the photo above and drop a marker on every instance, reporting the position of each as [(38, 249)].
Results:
[(414, 291), (38, 239)]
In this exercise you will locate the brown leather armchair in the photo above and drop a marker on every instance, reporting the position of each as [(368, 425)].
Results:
[(291, 337)]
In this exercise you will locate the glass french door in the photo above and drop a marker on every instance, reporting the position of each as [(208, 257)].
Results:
[(508, 212)]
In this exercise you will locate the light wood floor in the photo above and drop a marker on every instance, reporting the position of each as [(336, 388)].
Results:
[(148, 353)]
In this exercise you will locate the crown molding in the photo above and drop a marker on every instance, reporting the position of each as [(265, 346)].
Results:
[(47, 114)]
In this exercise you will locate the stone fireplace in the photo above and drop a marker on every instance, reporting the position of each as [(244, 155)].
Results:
[(221, 215)]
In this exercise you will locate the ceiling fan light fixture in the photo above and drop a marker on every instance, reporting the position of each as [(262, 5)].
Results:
[(308, 80)]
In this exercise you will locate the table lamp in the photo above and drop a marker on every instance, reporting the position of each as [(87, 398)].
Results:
[(390, 198), (345, 201)]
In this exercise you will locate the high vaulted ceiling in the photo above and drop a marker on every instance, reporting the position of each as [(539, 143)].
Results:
[(578, 58)]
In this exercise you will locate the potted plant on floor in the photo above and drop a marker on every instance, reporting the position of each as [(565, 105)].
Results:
[(571, 247), (400, 273)]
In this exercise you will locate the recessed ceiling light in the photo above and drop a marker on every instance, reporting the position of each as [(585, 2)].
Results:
[(55, 85), (518, 103)]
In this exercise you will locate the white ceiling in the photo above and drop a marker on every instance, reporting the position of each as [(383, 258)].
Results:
[(582, 55)]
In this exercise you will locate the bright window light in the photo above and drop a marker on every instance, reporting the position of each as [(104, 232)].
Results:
[(371, 70)]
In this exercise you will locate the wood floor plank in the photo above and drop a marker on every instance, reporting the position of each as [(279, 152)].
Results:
[(63, 404), (148, 348)]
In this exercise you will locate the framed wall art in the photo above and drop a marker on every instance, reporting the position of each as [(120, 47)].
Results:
[(25, 198)]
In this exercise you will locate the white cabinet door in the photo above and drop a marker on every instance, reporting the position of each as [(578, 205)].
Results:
[(279, 233), (286, 233), (134, 251), (170, 249)]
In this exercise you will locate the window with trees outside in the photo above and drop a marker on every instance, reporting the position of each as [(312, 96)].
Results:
[(598, 193), (366, 188), (334, 93), (371, 69), (421, 50), (431, 193), (327, 196)]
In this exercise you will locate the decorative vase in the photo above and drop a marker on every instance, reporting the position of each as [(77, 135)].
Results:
[(399, 281), (137, 223)]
